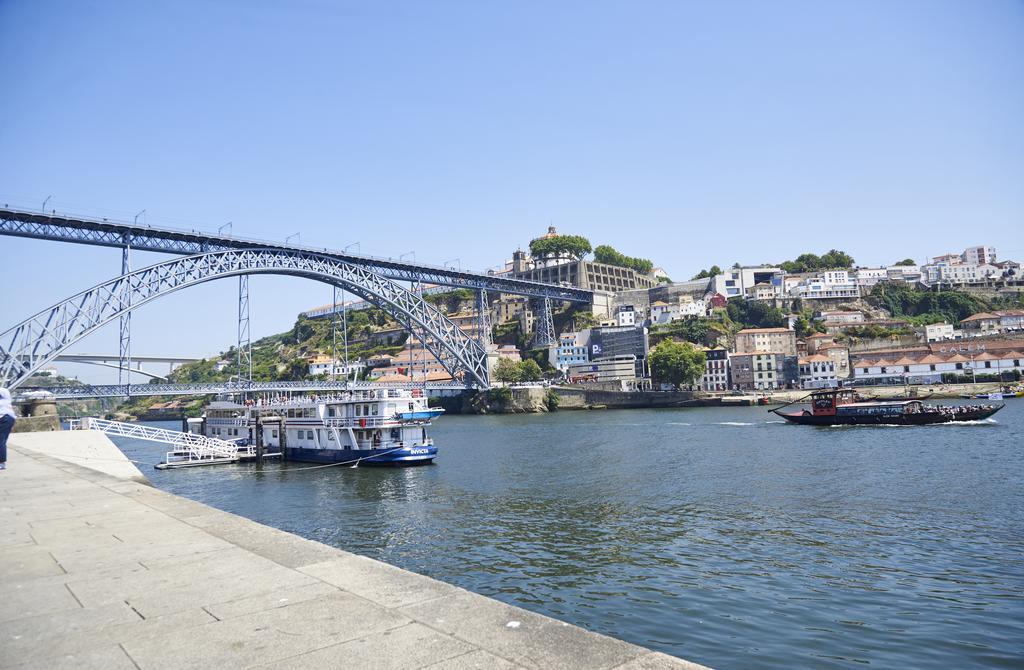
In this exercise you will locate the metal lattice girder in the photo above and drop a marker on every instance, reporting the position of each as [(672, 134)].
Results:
[(118, 390), (124, 374), (36, 341), (145, 238), (483, 315), (544, 324), (244, 340)]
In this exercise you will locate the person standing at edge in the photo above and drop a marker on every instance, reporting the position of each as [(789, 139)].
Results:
[(7, 418)]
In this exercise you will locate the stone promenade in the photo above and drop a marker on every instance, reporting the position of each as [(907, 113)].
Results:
[(99, 571)]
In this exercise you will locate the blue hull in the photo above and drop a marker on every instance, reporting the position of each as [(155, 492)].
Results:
[(404, 456)]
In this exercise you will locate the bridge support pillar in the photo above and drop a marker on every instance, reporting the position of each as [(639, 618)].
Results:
[(483, 315), (244, 341), (124, 373), (544, 325)]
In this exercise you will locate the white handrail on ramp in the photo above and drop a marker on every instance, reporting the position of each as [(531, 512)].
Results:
[(189, 448)]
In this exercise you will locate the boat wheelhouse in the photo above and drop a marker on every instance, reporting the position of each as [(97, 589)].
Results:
[(375, 426), (844, 407)]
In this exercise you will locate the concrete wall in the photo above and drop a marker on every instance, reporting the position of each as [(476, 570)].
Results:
[(87, 448), (582, 398)]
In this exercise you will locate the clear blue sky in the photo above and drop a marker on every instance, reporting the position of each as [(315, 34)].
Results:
[(689, 133)]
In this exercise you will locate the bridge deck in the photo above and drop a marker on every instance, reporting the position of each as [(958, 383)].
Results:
[(101, 232), (101, 572)]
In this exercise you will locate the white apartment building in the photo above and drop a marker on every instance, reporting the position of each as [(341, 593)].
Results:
[(735, 281), (716, 370), (625, 316), (958, 273), (979, 255), (938, 332), (326, 365), (818, 372), (686, 307), (819, 289), (571, 350), (870, 276)]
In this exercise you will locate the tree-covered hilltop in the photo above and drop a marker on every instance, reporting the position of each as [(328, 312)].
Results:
[(609, 256), (573, 246), (833, 260)]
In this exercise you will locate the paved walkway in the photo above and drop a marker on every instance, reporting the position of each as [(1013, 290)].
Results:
[(102, 572)]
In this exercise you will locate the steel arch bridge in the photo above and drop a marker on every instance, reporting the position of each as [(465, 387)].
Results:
[(39, 339)]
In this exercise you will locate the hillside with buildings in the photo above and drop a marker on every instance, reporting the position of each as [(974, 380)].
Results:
[(798, 324)]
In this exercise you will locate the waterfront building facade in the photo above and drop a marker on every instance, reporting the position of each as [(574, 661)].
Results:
[(621, 369), (767, 339), (716, 370), (818, 371), (756, 370), (572, 349), (619, 341), (927, 365)]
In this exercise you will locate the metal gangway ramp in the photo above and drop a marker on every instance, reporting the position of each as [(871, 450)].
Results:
[(188, 450)]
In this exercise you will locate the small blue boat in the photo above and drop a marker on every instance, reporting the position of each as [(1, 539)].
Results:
[(422, 415)]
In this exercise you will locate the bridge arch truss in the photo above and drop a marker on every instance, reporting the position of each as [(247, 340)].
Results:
[(31, 344)]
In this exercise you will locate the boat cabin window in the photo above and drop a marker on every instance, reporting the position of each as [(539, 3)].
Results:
[(824, 401), (411, 407), (359, 410), (330, 411), (374, 409)]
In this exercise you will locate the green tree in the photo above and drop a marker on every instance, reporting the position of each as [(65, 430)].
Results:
[(676, 363), (906, 261), (713, 271), (508, 371), (609, 256), (754, 313), (832, 260), (529, 371), (574, 246)]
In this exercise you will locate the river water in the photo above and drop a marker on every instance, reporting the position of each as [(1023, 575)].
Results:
[(718, 535)]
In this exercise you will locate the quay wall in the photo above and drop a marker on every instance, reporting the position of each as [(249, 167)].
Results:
[(104, 571), (583, 398)]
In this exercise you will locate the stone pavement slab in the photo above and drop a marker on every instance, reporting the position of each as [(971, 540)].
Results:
[(108, 572)]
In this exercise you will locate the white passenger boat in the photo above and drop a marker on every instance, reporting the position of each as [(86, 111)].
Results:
[(384, 426)]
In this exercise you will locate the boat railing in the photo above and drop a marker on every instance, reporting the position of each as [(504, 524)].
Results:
[(241, 421), (359, 422), (351, 396)]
